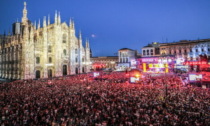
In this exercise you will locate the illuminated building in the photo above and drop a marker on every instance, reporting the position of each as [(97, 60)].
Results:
[(158, 64), (183, 51), (189, 50), (41, 52), (108, 62), (151, 50), (186, 51), (126, 59)]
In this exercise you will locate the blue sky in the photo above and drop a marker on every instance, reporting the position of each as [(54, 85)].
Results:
[(114, 24)]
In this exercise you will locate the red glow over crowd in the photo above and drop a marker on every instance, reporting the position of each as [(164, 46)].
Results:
[(108, 100)]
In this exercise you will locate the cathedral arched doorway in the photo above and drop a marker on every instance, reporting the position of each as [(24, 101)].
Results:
[(76, 71), (50, 73), (83, 69), (37, 74), (64, 70)]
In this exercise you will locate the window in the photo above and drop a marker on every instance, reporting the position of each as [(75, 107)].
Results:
[(83, 59), (202, 50), (121, 60), (64, 52), (75, 51), (76, 59), (64, 38), (83, 69), (37, 60), (50, 59), (144, 52), (49, 49), (196, 50)]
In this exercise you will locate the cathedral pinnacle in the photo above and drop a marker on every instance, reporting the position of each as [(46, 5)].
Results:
[(39, 24), (80, 39), (35, 25), (48, 23), (44, 22), (80, 35), (24, 18), (71, 23), (56, 17), (59, 18), (87, 43)]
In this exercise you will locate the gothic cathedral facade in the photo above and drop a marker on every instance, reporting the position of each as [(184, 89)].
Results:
[(42, 52)]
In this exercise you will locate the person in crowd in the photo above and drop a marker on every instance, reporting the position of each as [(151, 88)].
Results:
[(109, 101)]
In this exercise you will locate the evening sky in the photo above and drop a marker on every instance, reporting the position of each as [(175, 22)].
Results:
[(114, 24)]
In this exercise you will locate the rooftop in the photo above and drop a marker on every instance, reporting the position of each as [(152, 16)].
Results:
[(126, 49)]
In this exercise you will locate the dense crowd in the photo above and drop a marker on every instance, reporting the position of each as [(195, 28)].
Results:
[(111, 101)]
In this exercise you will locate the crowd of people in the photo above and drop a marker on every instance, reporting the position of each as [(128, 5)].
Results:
[(81, 100)]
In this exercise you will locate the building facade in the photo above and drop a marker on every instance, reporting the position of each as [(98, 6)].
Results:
[(185, 53), (108, 62), (151, 50), (126, 59), (189, 50), (41, 52)]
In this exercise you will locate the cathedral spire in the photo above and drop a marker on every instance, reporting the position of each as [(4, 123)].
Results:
[(35, 25), (80, 39), (56, 17), (48, 23), (44, 22), (59, 18), (80, 35), (87, 44), (31, 33), (24, 18), (39, 24), (71, 23)]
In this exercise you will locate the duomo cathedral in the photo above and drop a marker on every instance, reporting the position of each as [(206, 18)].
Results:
[(52, 50)]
